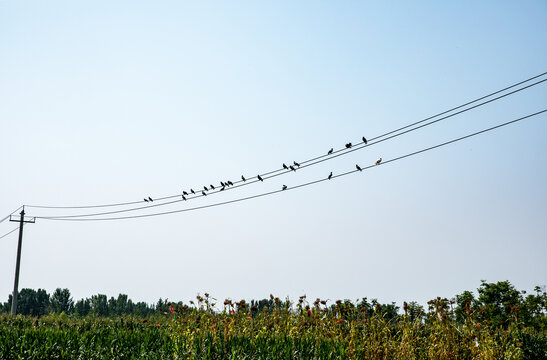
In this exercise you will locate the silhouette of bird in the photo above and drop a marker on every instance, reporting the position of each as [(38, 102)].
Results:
[(212, 187), (145, 199), (330, 175), (204, 194), (149, 198), (243, 178), (205, 187), (285, 166), (297, 164), (230, 183), (378, 161), (192, 191), (184, 193), (222, 183), (222, 188), (183, 198), (358, 167), (330, 151), (284, 187), (365, 140), (348, 145), (292, 168), (259, 178)]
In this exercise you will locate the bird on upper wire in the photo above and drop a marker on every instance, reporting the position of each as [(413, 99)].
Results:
[(348, 145), (365, 140), (230, 183), (358, 167), (184, 193), (330, 151), (378, 161), (297, 164), (330, 175), (243, 178), (284, 187), (192, 191), (222, 183), (149, 198), (205, 187), (212, 187), (145, 199), (260, 178), (285, 166)]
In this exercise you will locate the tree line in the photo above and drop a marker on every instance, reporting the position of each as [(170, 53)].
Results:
[(497, 303)]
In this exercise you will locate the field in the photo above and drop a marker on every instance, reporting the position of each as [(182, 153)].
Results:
[(272, 329)]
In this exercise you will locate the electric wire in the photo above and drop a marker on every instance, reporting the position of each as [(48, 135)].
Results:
[(300, 185), (328, 156), (6, 234), (13, 212), (317, 160)]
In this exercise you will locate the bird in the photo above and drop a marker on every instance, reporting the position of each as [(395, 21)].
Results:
[(230, 183), (243, 178), (378, 161), (348, 145), (145, 199), (184, 193), (284, 187), (149, 198), (205, 187), (204, 194), (285, 166), (192, 191), (297, 164), (330, 151), (222, 183), (183, 198), (212, 187), (330, 175), (365, 140), (358, 167), (292, 168), (259, 178), (222, 188)]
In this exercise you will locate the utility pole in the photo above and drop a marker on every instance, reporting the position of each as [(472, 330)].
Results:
[(18, 263)]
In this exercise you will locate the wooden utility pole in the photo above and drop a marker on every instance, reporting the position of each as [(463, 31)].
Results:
[(18, 263)]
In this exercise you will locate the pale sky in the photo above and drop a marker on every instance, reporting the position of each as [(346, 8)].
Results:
[(107, 102)]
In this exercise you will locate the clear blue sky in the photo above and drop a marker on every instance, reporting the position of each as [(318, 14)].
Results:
[(105, 102)]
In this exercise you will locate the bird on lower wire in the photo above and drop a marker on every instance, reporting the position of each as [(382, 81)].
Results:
[(378, 161), (183, 198), (297, 164), (358, 167), (330, 151), (260, 178), (285, 166), (330, 175), (149, 198), (243, 178), (365, 140), (348, 145), (284, 187), (204, 194), (292, 168)]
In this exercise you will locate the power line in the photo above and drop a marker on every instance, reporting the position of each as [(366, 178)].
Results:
[(324, 157), (313, 161), (6, 234), (67, 218), (14, 211)]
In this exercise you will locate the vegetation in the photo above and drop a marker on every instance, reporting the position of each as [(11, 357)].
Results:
[(499, 323)]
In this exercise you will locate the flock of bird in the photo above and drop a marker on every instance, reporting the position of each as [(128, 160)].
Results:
[(225, 184)]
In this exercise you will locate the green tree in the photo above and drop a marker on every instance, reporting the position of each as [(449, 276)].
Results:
[(82, 307), (498, 302), (61, 301), (99, 305)]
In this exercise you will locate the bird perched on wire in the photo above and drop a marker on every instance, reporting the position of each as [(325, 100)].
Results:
[(358, 167), (292, 168), (184, 193), (222, 183), (260, 178), (145, 199), (212, 187), (183, 198), (284, 187), (365, 140), (222, 188), (330, 151), (205, 187), (243, 178), (378, 161), (149, 198), (230, 183), (192, 191), (330, 175), (348, 145), (285, 166), (204, 194), (297, 164)]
